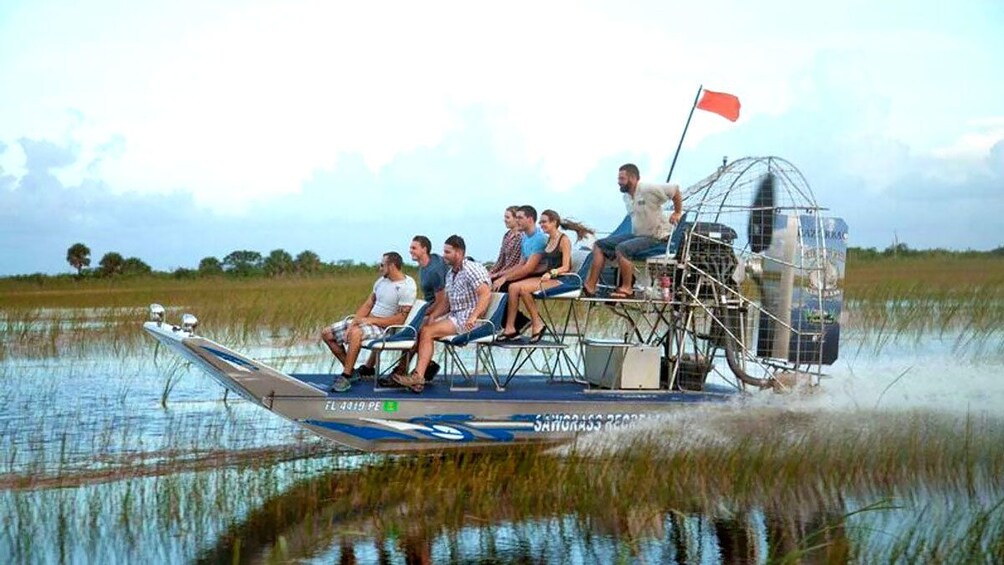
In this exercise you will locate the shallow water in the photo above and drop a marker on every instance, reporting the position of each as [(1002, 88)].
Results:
[(179, 478)]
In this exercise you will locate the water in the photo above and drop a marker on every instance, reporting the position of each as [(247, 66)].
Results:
[(97, 466)]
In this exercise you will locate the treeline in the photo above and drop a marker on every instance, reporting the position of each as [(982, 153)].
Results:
[(280, 263), (239, 264), (902, 250)]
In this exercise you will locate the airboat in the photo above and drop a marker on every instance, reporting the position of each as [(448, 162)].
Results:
[(746, 296)]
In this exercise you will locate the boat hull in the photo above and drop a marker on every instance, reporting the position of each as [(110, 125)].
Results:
[(532, 410)]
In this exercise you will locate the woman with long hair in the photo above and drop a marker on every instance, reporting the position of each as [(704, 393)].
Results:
[(509, 253), (556, 261)]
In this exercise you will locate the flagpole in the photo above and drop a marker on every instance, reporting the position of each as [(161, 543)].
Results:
[(679, 145)]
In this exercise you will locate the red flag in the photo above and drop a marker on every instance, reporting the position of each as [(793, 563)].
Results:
[(725, 105)]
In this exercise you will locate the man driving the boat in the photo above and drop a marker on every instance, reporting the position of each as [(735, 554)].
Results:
[(467, 299), (392, 297), (650, 227)]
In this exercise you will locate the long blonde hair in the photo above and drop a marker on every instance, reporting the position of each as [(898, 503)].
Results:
[(581, 230)]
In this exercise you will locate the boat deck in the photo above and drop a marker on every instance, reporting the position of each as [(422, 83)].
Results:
[(524, 388)]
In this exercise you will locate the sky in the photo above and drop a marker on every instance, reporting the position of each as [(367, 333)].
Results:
[(176, 131)]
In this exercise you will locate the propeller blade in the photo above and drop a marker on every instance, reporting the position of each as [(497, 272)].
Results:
[(761, 222)]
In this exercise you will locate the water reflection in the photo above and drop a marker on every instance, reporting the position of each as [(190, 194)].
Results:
[(326, 520), (774, 478)]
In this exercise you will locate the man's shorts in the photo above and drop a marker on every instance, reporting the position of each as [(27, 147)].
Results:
[(458, 324), (628, 245), (369, 331)]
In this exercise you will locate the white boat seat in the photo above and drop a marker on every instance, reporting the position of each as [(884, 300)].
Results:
[(401, 337)]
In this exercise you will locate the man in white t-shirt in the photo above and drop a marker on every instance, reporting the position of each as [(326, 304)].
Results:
[(649, 227), (389, 303)]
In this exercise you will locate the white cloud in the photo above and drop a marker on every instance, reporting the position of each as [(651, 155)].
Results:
[(237, 103), (975, 143)]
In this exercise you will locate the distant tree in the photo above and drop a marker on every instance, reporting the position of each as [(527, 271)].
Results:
[(898, 249), (135, 266), (999, 251), (78, 256), (242, 263), (278, 263), (183, 273), (110, 264), (209, 266), (307, 263)]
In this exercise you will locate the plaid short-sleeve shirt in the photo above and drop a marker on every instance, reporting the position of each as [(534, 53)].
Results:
[(462, 288), (510, 253)]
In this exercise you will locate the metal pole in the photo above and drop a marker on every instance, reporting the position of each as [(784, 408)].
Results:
[(679, 145)]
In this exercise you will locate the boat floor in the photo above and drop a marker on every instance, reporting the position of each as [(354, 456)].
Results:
[(523, 388)]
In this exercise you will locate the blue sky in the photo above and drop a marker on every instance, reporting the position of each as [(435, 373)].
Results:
[(175, 131)]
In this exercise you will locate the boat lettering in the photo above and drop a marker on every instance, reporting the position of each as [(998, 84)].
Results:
[(353, 405), (583, 422)]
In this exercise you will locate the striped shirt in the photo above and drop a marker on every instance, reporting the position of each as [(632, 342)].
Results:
[(462, 288), (509, 254)]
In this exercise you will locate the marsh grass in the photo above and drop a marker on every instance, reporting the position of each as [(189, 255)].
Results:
[(70, 319), (886, 300), (65, 425), (715, 473), (163, 518), (846, 491), (527, 505), (106, 471)]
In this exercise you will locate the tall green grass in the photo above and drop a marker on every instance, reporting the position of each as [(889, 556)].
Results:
[(870, 487), (886, 300), (860, 487)]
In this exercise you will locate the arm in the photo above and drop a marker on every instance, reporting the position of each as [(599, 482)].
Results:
[(395, 320), (672, 192), (442, 306), (364, 309), (521, 271), (434, 312), (484, 298), (507, 271), (674, 218), (566, 260)]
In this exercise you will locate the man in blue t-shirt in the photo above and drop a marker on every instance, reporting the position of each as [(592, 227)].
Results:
[(432, 288), (534, 240), (431, 269)]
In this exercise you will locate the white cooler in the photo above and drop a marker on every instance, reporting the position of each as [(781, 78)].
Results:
[(617, 365)]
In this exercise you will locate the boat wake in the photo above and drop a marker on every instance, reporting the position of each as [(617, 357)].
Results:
[(864, 403)]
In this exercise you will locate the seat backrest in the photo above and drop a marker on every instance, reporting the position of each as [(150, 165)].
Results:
[(587, 263), (495, 314), (413, 321), (623, 227), (416, 315), (496, 309)]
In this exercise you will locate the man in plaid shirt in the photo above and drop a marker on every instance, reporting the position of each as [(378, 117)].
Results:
[(467, 299)]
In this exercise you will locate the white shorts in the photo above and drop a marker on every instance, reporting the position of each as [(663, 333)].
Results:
[(458, 325)]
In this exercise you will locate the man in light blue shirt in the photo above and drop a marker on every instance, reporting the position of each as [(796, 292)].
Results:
[(534, 240), (532, 245)]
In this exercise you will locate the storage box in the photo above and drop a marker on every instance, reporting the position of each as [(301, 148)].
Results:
[(627, 366)]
